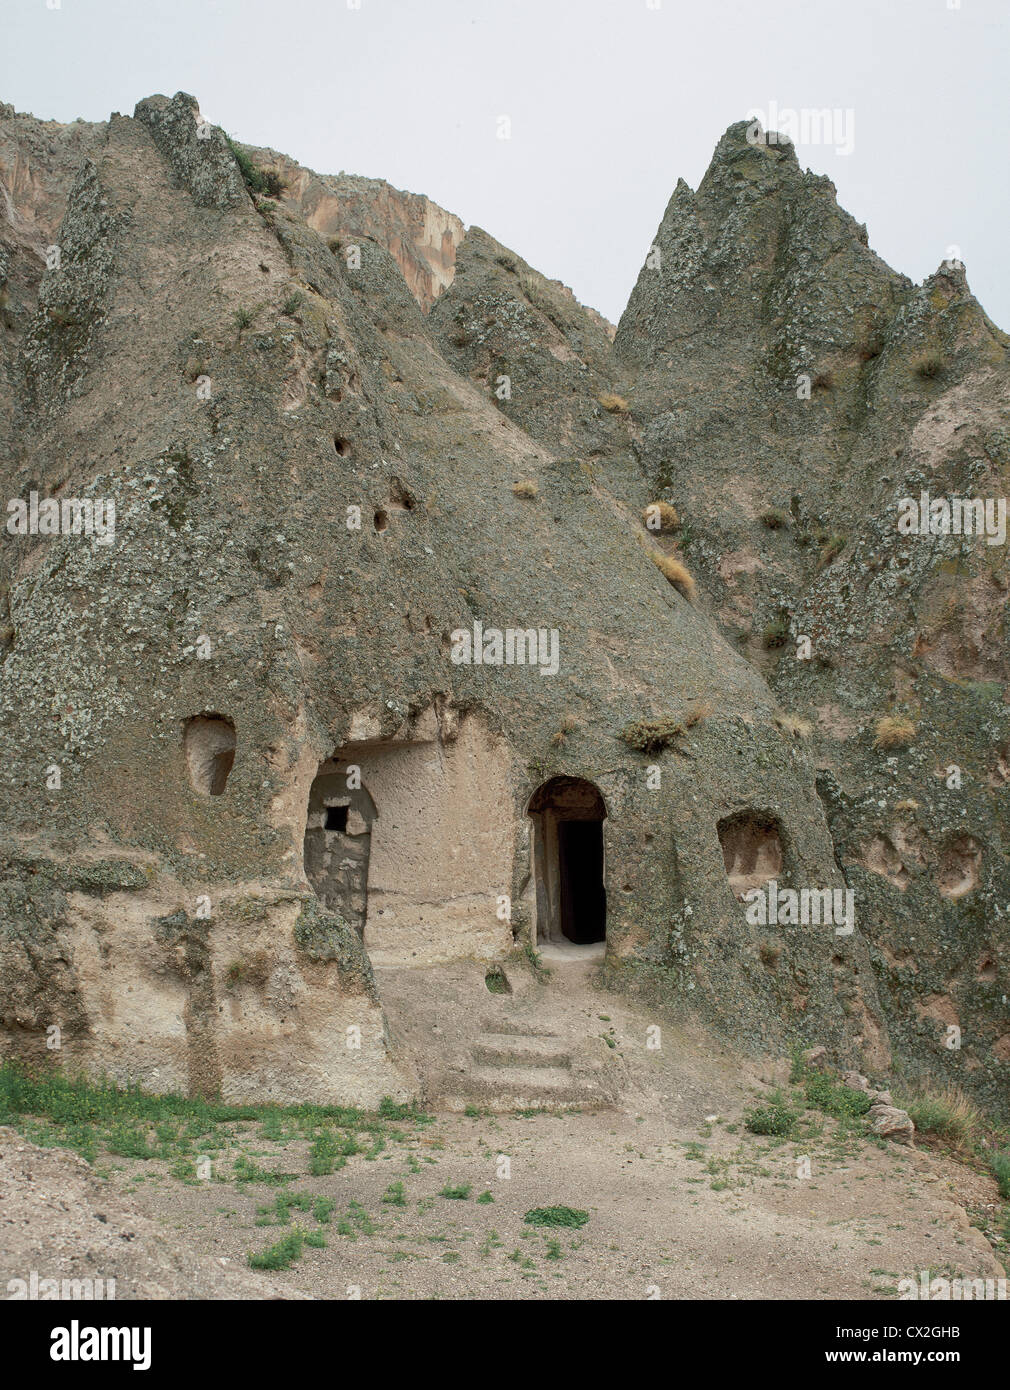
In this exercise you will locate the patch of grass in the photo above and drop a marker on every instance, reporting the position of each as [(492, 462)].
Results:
[(292, 304), (322, 1209), (459, 1193), (485, 1198), (281, 1255), (774, 518), (497, 983), (614, 404), (1000, 1164), (535, 961), (394, 1195), (247, 1171), (946, 1113), (525, 487), (894, 731), (572, 1217), (243, 318)]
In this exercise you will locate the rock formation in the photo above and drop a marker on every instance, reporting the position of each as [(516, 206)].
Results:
[(387, 606)]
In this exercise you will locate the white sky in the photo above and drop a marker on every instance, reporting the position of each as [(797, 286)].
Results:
[(609, 100)]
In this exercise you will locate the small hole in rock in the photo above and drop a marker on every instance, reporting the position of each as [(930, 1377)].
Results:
[(381, 520), (336, 818), (342, 446), (497, 981), (209, 745)]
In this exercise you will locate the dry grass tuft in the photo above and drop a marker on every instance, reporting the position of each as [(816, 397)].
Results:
[(894, 731), (677, 573), (660, 516), (567, 727), (526, 487), (793, 724), (617, 405)]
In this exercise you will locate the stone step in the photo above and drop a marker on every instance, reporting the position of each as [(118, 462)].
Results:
[(519, 1049), (515, 1027), (519, 1088)]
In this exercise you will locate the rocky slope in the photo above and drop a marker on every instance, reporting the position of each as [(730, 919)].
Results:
[(317, 485)]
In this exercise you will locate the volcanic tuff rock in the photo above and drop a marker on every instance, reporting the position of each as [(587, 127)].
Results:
[(246, 387)]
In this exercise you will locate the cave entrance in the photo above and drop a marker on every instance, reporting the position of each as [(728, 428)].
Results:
[(338, 839), (569, 862)]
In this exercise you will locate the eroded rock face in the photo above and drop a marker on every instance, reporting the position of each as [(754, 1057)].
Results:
[(319, 489), (421, 237)]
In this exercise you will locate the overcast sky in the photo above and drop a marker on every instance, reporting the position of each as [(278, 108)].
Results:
[(609, 102)]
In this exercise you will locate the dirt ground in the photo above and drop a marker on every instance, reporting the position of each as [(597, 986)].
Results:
[(688, 1205)]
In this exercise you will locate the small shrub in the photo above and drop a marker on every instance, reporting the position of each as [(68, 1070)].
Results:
[(774, 518), (485, 1198), (243, 318), (257, 180), (833, 1098), (775, 1118), (526, 487), (571, 1217), (323, 1156), (660, 516), (616, 405), (928, 365), (292, 304), (497, 983), (775, 634), (676, 573), (394, 1195), (894, 731), (652, 735)]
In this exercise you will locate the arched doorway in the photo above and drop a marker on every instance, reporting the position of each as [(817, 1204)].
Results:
[(338, 836), (568, 862)]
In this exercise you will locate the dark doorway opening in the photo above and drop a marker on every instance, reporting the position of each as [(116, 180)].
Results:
[(583, 896), (336, 818), (569, 862)]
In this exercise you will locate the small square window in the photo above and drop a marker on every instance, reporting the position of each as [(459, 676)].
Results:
[(336, 818)]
